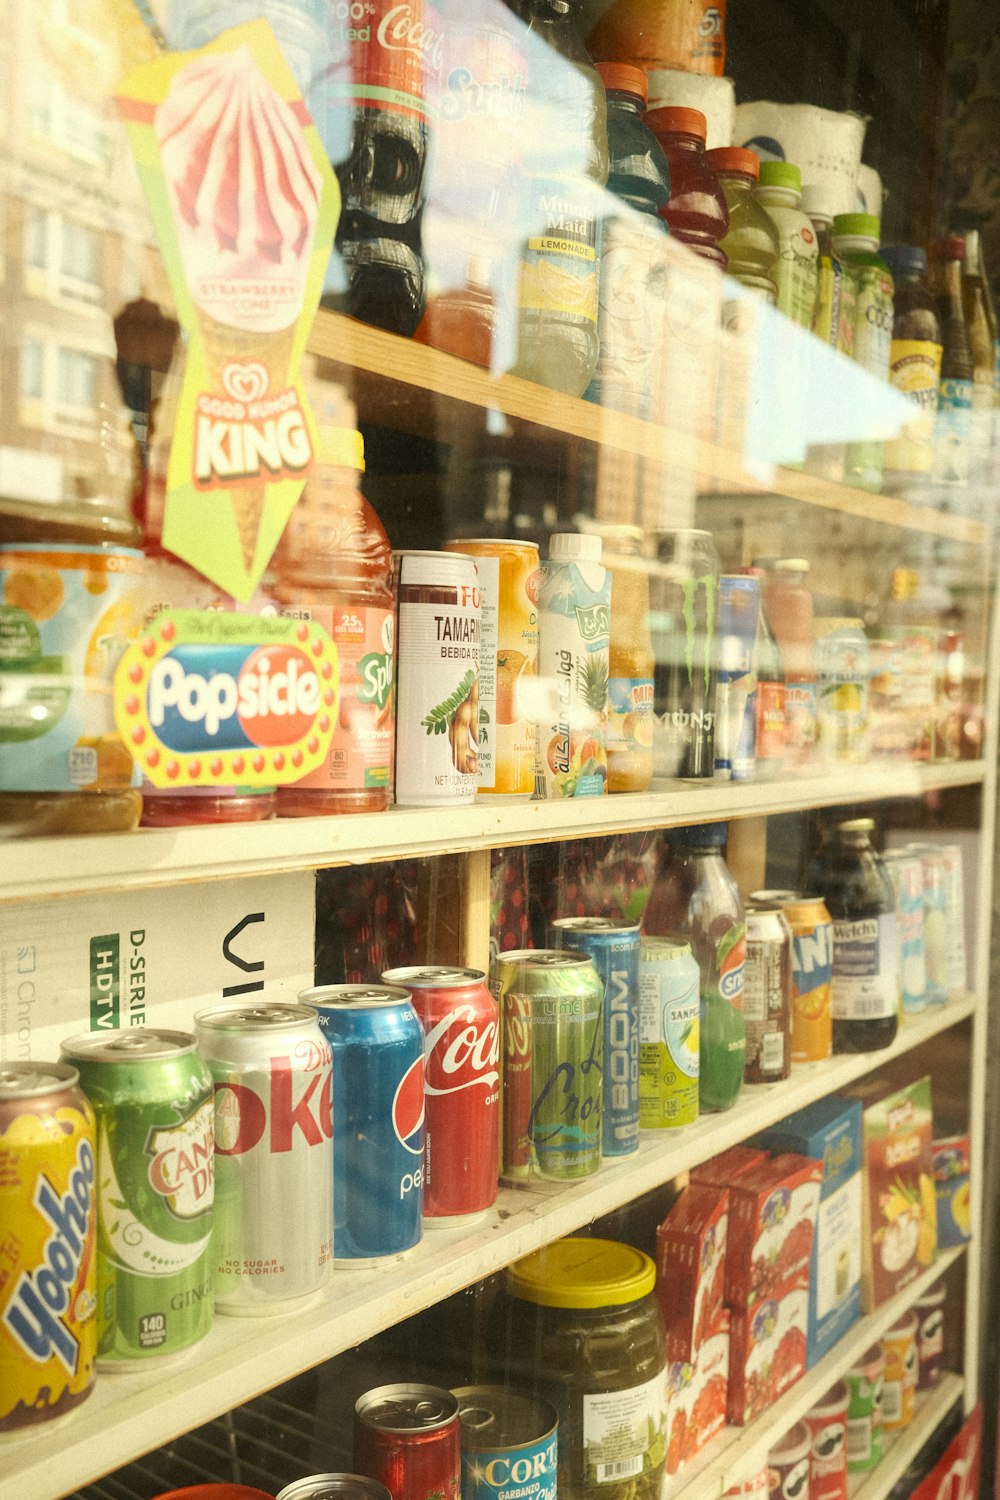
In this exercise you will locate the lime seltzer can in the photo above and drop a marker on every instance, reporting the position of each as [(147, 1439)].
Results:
[(152, 1095), (551, 1008)]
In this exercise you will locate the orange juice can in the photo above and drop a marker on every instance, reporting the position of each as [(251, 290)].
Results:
[(48, 1285), (509, 578), (812, 970)]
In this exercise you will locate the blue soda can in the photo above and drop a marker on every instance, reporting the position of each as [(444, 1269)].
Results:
[(736, 677), (613, 948), (905, 872), (378, 1117), (509, 1444)]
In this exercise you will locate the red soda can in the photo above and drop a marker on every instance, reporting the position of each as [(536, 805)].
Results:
[(215, 1492), (461, 1028), (409, 1438)]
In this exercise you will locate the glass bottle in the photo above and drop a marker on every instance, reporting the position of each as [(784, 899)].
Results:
[(862, 905), (914, 365), (953, 426)]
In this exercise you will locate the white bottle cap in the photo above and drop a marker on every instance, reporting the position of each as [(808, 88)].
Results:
[(576, 545)]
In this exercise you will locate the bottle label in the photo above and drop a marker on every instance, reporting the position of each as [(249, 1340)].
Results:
[(800, 720), (826, 315), (873, 320), (388, 62), (953, 432), (864, 985), (631, 299), (770, 720), (559, 262), (797, 267), (915, 371), (624, 1432), (572, 685), (630, 716)]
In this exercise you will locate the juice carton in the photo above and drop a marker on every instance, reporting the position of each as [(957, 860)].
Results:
[(690, 1269), (767, 1352), (900, 1208), (951, 1187), (772, 1217), (697, 1397), (830, 1132), (723, 1169)]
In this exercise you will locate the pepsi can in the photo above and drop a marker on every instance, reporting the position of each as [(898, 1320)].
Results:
[(378, 1117), (612, 945)]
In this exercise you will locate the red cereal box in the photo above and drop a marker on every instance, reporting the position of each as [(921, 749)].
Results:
[(767, 1353), (722, 1170), (772, 1218), (696, 1398), (690, 1269)]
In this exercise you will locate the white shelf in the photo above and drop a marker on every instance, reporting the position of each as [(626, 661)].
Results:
[(902, 1447), (739, 1452), (127, 1415), (36, 869)]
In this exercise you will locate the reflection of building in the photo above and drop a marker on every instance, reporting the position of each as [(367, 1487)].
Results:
[(77, 245)]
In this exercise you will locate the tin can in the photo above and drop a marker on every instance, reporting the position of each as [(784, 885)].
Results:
[(767, 994), (669, 1033), (408, 1437), (932, 869), (437, 683), (551, 1005), (378, 1118), (930, 1336), (684, 607), (954, 897), (613, 948), (827, 1424), (509, 1444), (899, 1381), (788, 1465), (904, 870), (736, 689), (215, 1492), (152, 1096), (843, 670), (273, 1154), (48, 1283), (812, 972), (864, 1411), (509, 578), (335, 1487), (461, 1027)]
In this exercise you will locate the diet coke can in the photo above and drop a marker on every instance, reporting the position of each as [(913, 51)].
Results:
[(272, 1071), (409, 1438), (461, 1090), (378, 1118)]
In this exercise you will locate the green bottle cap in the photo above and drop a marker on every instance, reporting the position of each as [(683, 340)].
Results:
[(865, 225), (784, 174)]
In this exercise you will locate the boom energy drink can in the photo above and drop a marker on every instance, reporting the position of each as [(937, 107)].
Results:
[(551, 1008), (613, 948), (48, 1281), (509, 1444), (812, 972), (378, 1118), (273, 1154), (152, 1095), (684, 603), (670, 1033)]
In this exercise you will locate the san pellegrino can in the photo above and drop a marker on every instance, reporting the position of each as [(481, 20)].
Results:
[(272, 1070), (48, 1281), (612, 945), (670, 1033), (551, 1005), (152, 1095)]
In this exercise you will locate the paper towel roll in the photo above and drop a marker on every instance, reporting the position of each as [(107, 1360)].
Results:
[(715, 97), (870, 195), (826, 146)]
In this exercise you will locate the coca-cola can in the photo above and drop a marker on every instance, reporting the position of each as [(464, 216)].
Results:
[(459, 1017), (272, 1070), (409, 1438)]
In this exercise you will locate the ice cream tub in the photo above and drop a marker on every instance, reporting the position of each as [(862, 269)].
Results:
[(823, 144)]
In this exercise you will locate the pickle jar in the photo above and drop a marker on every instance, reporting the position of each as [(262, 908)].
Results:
[(577, 1323)]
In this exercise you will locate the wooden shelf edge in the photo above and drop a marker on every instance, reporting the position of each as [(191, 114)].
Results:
[(902, 1447)]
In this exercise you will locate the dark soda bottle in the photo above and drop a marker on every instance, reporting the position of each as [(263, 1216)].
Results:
[(861, 902)]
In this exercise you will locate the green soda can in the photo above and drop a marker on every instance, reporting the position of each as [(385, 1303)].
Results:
[(152, 1095), (669, 1033), (551, 1008)]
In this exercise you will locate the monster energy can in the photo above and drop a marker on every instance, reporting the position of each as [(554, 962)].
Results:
[(684, 595), (551, 1007), (152, 1096)]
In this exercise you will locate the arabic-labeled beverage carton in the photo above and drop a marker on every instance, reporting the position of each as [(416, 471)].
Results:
[(696, 1397), (571, 707), (829, 1131), (691, 1269)]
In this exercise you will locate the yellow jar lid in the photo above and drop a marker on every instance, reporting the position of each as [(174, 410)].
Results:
[(580, 1272)]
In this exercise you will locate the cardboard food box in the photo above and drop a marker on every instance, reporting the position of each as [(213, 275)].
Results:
[(772, 1219), (721, 1170), (767, 1352), (952, 1190), (900, 1207), (830, 1131), (690, 1269), (697, 1393)]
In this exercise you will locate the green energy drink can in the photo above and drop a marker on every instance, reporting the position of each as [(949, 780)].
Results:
[(551, 1010), (669, 1033), (152, 1095)]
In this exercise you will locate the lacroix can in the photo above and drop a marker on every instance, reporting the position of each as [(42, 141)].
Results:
[(812, 971), (509, 1444), (864, 1411), (827, 1423), (669, 1033), (48, 1272), (509, 578), (899, 1385)]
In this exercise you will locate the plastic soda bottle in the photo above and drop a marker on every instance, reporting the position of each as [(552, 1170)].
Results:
[(631, 259), (833, 310), (953, 429), (695, 897), (788, 605), (751, 242), (334, 565), (862, 905), (855, 240), (780, 194), (914, 365), (630, 668), (574, 609), (696, 211)]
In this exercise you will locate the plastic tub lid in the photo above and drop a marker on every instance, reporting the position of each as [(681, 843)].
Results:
[(575, 544), (672, 119), (781, 174), (734, 159), (864, 226), (624, 78), (904, 260), (582, 1272)]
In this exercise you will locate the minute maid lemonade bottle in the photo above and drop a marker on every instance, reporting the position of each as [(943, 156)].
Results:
[(573, 642)]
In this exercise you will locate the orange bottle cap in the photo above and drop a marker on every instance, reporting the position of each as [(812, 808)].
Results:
[(625, 78), (734, 159), (672, 119)]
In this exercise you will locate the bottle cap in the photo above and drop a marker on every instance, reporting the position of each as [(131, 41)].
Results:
[(816, 201), (677, 119), (789, 564), (575, 544), (699, 836), (904, 260), (865, 226), (781, 174), (856, 825), (734, 159), (624, 78), (949, 247)]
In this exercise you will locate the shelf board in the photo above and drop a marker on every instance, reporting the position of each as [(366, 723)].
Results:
[(36, 869), (739, 1452), (129, 1415), (901, 1448)]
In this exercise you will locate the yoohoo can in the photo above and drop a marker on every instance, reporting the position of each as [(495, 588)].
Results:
[(48, 1284), (551, 1005), (408, 1438), (437, 682), (509, 578), (669, 1032), (152, 1095), (827, 1424), (812, 973), (899, 1384), (843, 671), (788, 1465), (864, 1411), (272, 1071), (613, 948), (509, 1444), (334, 1487)]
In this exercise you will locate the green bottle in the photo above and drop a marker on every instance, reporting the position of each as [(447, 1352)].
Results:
[(855, 242)]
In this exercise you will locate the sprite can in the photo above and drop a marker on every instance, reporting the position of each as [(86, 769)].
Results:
[(152, 1095), (551, 1011), (670, 1033)]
